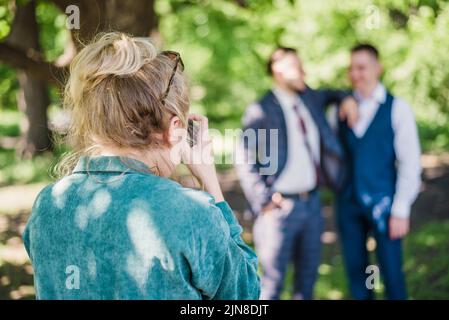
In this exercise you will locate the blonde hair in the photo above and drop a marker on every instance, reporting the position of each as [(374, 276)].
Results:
[(114, 96)]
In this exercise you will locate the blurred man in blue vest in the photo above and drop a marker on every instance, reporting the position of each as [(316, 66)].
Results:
[(384, 178)]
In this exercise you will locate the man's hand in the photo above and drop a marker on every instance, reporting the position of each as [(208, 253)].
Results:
[(276, 202), (349, 111), (399, 227), (269, 207)]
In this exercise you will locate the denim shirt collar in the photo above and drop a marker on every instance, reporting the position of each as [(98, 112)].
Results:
[(110, 164)]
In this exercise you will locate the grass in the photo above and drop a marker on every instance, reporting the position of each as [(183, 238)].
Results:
[(426, 265), (330, 285), (427, 261)]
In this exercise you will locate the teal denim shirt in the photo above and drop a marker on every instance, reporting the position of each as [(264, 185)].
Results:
[(114, 230)]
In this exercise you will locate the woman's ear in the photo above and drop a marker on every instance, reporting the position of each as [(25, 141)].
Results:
[(175, 130)]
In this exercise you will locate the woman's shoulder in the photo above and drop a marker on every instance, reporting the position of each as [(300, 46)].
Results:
[(60, 187), (207, 213), (167, 193), (173, 193), (192, 198), (198, 208)]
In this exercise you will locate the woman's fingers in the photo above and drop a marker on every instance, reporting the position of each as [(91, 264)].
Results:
[(203, 125), (203, 121)]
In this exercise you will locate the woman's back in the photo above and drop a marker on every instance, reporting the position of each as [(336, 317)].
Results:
[(115, 227), (111, 231)]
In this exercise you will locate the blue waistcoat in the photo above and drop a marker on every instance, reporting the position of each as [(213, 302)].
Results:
[(372, 161)]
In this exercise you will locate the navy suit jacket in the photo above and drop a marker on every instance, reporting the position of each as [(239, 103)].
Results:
[(267, 114)]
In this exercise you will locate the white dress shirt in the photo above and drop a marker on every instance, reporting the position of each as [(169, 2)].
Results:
[(406, 145), (299, 173)]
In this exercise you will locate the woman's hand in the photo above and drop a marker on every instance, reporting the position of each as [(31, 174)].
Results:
[(200, 159)]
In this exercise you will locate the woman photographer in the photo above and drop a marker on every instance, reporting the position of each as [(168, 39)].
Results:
[(114, 226)]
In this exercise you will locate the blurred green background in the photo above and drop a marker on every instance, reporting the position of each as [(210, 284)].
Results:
[(224, 45)]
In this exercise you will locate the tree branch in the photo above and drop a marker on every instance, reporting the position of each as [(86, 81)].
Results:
[(63, 4), (32, 62), (242, 3)]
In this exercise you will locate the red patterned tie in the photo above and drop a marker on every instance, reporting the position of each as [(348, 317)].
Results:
[(302, 126)]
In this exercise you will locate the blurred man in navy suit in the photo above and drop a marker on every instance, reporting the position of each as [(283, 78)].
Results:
[(286, 201)]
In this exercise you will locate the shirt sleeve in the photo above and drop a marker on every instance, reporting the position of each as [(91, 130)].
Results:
[(256, 191), (408, 152), (226, 268), (333, 96)]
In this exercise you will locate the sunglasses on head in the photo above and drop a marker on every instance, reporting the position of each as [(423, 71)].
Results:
[(174, 56)]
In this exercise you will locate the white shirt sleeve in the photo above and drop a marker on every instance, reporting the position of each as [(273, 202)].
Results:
[(408, 152)]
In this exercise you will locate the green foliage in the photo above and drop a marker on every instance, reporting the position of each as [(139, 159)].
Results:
[(434, 136), (53, 34), (9, 123), (8, 82), (218, 41), (9, 87), (225, 47), (53, 37), (5, 18), (17, 171), (13, 169)]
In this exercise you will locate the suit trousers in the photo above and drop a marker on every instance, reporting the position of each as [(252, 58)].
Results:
[(290, 235), (355, 223)]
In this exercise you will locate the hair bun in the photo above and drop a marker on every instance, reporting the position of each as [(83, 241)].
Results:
[(113, 94), (113, 53), (125, 55)]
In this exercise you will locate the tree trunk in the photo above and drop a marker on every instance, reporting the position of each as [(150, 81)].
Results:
[(33, 97), (21, 50), (136, 17)]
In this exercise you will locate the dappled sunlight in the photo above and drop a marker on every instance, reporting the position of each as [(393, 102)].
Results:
[(22, 292), (324, 269), (59, 192), (98, 205), (82, 216), (335, 294), (329, 237), (371, 244), (13, 251), (19, 198), (16, 272), (149, 246), (91, 264)]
